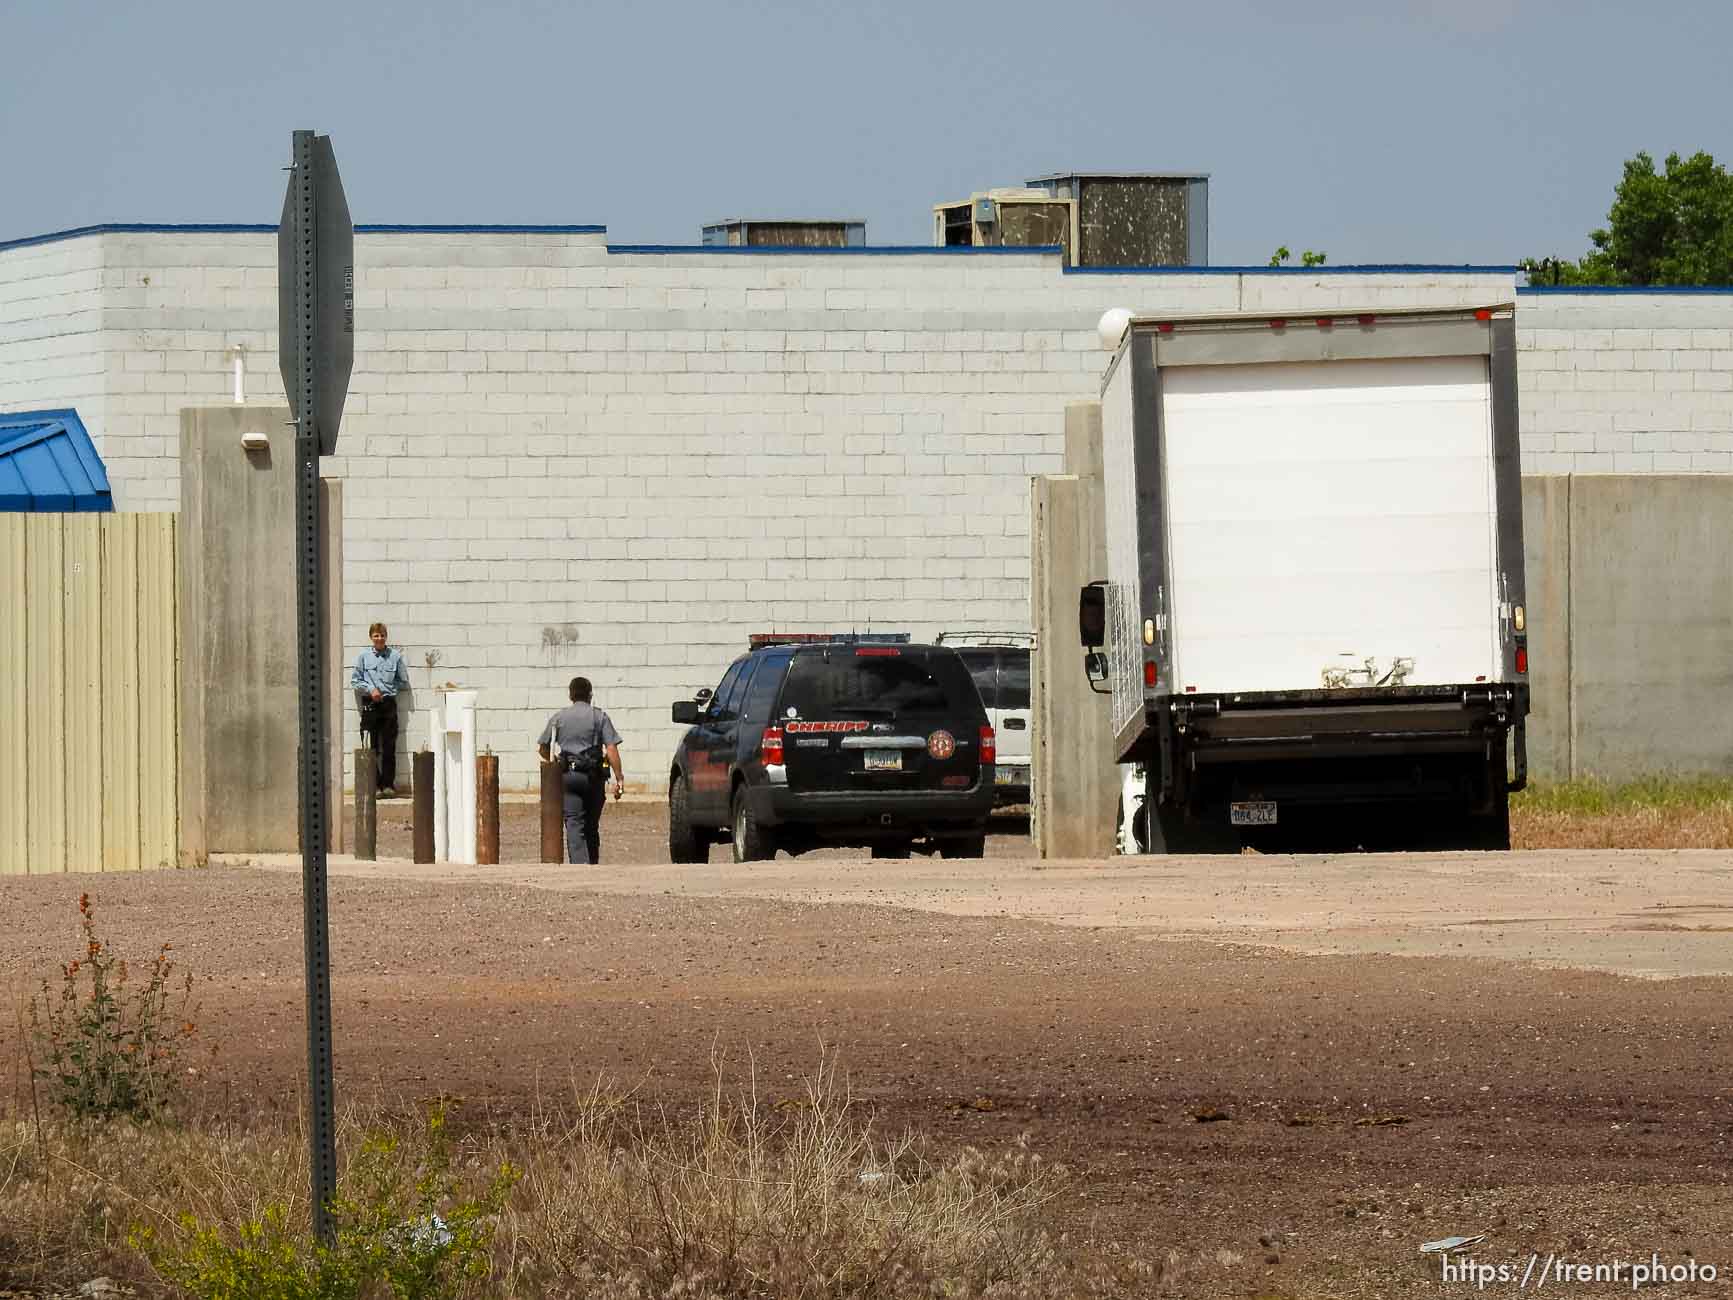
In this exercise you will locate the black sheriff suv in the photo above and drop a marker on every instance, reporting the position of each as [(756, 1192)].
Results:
[(811, 742)]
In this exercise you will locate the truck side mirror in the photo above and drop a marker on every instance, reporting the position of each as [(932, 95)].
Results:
[(1095, 665), (1092, 615), (686, 712)]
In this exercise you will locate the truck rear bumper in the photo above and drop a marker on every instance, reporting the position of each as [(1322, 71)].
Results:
[(1340, 746), (1268, 725)]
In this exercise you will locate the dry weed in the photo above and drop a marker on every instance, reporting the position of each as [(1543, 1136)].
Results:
[(1660, 813), (744, 1196)]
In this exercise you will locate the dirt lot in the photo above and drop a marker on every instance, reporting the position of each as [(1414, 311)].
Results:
[(1270, 1122)]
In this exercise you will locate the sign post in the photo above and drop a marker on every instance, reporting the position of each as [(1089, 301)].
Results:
[(316, 332)]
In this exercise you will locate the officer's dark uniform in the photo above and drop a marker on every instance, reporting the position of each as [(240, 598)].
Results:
[(572, 729)]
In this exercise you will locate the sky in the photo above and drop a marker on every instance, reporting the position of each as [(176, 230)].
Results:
[(1448, 131)]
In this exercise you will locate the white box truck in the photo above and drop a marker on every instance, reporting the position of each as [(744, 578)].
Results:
[(1313, 624)]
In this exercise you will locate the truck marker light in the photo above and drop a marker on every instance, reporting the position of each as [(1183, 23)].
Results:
[(989, 745), (1367, 320), (1522, 659), (1149, 672), (1483, 314), (1481, 678), (1149, 631), (1191, 690), (1518, 618), (770, 745), (1278, 323), (1166, 327), (1325, 322)]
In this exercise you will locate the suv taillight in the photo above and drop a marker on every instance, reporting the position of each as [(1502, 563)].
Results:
[(989, 746), (770, 745)]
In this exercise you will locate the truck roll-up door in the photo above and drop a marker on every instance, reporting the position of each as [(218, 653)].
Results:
[(1325, 513)]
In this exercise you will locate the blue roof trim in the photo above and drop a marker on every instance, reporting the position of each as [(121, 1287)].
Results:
[(235, 228), (49, 463), (857, 250), (1369, 268), (1682, 289)]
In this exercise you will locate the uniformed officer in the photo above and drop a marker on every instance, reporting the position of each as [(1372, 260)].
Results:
[(579, 734)]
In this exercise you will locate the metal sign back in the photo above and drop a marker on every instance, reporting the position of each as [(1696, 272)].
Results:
[(331, 289)]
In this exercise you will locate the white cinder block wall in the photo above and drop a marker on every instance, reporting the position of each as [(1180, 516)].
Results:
[(51, 352), (562, 459), (1628, 383)]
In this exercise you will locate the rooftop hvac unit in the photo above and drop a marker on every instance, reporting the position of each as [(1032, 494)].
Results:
[(783, 232), (1006, 218), (1134, 219)]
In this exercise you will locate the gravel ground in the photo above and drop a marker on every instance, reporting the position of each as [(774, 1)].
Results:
[(1369, 1102)]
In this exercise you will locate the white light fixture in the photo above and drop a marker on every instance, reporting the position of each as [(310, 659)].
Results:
[(1111, 327), (255, 440)]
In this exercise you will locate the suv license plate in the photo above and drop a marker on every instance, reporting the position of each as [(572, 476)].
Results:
[(884, 760), (1259, 813)]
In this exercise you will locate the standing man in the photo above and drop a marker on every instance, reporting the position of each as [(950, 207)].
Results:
[(580, 734), (379, 674)]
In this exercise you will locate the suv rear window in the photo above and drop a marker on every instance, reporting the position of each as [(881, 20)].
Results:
[(864, 686)]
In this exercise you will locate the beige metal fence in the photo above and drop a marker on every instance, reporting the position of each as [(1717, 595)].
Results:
[(88, 702)]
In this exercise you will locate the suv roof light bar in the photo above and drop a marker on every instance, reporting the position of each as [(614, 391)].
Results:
[(758, 640)]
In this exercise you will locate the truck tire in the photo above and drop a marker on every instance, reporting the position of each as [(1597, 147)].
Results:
[(891, 849), (752, 842), (686, 843), (965, 846)]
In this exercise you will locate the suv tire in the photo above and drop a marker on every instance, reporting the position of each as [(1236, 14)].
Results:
[(892, 849), (752, 842), (966, 846), (686, 842)]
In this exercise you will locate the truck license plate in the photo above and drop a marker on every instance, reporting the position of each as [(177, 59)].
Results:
[(1261, 812), (1004, 776), (884, 760)]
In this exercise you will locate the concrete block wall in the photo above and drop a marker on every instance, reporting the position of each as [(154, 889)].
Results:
[(563, 458), (560, 459), (51, 351), (1626, 383)]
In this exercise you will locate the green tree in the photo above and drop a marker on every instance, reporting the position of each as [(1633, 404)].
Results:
[(1672, 226), (1308, 258)]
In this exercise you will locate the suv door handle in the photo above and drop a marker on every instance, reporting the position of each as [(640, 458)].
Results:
[(1015, 724)]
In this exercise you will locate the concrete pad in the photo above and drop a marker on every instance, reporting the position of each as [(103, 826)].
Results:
[(1659, 914)]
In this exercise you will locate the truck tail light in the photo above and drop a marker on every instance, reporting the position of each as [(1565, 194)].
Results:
[(1522, 660), (770, 745), (1149, 677), (989, 745)]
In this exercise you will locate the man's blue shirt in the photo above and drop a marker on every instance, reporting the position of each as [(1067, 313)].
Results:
[(382, 672)]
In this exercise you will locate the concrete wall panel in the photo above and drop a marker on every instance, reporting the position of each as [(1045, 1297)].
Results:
[(1651, 625), (1546, 566), (241, 646)]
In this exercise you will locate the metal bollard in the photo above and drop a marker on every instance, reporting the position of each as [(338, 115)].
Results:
[(487, 809), (553, 813), (366, 805), (422, 816)]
